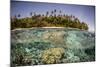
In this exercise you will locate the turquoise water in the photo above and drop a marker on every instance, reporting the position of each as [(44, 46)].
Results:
[(28, 45)]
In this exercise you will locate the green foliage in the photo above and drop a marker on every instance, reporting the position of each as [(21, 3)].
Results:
[(47, 21)]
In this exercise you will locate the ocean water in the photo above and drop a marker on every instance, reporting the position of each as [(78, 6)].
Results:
[(39, 46)]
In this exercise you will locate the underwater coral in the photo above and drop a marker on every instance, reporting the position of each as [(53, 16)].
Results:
[(51, 46)]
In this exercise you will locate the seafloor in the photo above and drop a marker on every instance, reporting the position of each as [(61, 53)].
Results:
[(51, 46)]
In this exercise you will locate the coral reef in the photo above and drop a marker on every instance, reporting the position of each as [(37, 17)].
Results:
[(52, 55), (49, 46)]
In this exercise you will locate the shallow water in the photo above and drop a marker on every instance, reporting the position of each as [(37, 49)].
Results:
[(30, 44)]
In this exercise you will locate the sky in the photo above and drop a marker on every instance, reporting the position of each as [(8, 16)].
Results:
[(85, 13)]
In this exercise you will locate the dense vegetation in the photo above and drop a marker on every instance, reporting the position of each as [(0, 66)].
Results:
[(50, 19)]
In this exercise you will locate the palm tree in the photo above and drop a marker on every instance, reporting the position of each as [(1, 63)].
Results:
[(19, 15), (47, 13), (31, 14), (51, 13), (55, 12), (60, 12)]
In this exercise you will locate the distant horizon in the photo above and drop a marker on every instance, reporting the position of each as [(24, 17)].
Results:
[(82, 12)]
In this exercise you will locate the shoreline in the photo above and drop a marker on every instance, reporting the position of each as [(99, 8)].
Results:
[(48, 28), (52, 28)]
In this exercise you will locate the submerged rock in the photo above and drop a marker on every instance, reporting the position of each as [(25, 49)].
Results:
[(57, 37)]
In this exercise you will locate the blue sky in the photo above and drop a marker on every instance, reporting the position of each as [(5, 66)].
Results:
[(83, 12)]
